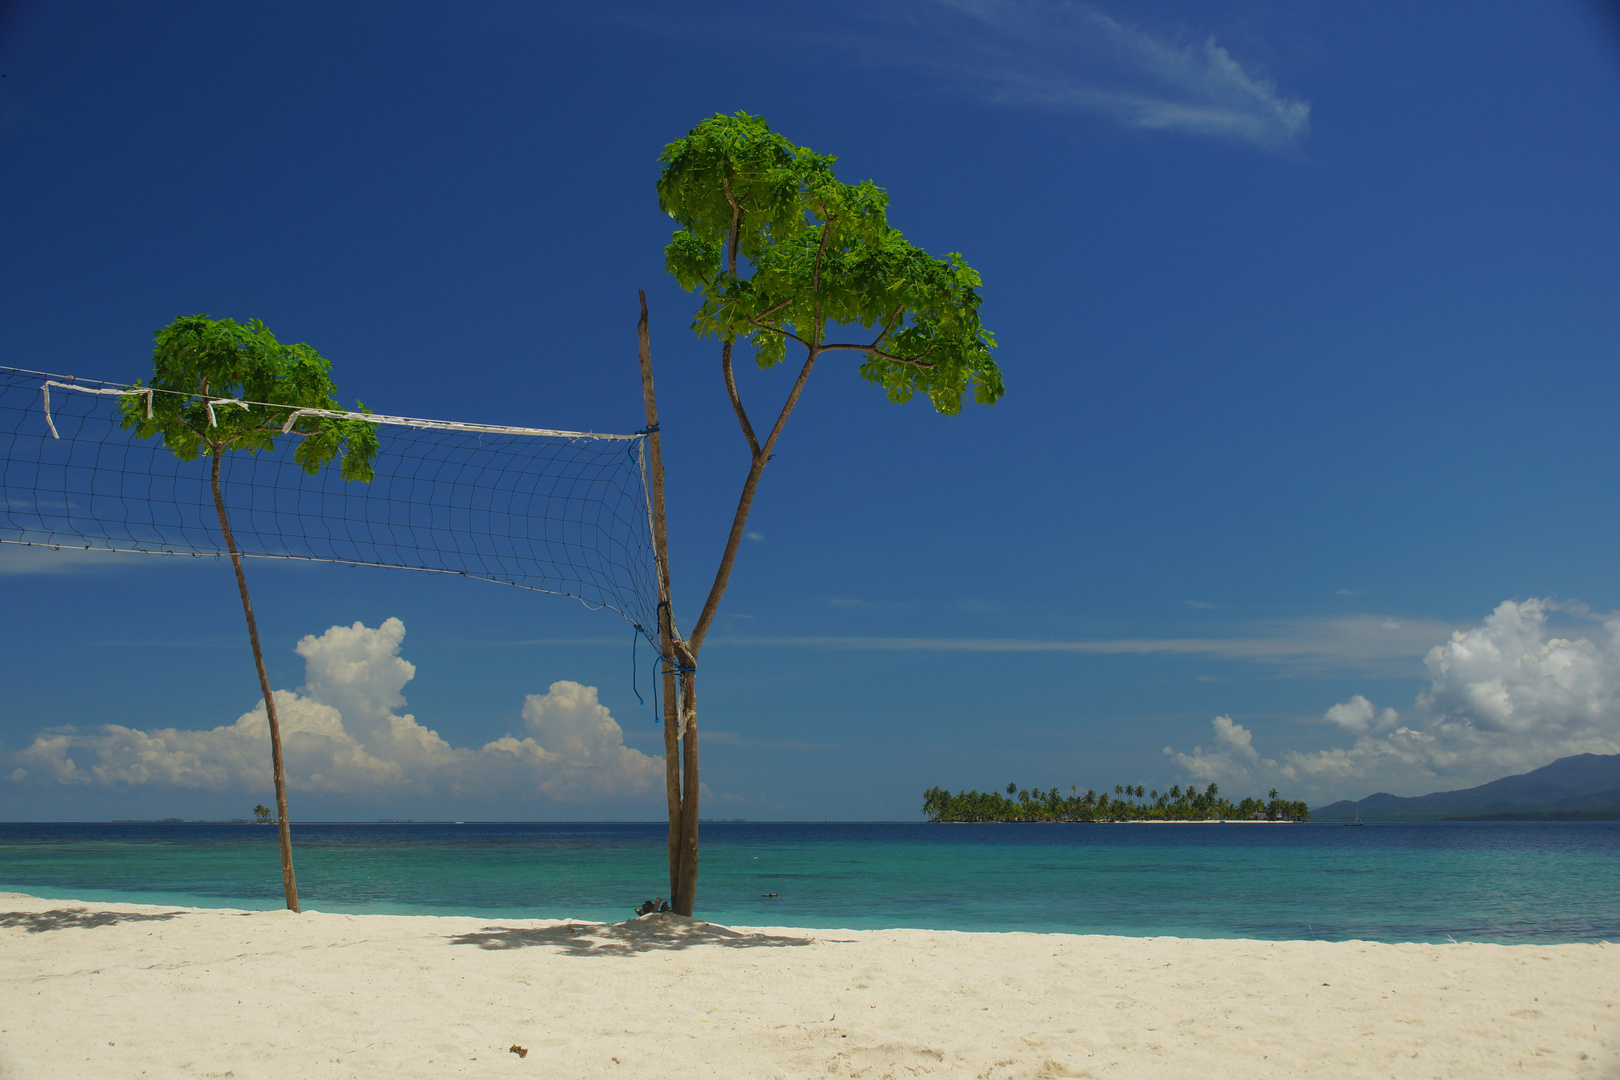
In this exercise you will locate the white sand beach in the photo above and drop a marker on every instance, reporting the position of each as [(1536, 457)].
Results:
[(123, 990)]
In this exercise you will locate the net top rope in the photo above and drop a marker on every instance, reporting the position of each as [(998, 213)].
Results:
[(70, 382)]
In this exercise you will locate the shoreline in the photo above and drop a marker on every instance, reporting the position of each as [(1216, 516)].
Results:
[(240, 905), (105, 989), (1142, 821)]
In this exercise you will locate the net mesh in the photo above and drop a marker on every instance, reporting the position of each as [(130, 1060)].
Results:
[(556, 512)]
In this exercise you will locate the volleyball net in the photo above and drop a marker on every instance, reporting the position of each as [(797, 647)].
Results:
[(562, 512)]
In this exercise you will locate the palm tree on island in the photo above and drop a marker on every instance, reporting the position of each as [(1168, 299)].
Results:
[(1176, 804)]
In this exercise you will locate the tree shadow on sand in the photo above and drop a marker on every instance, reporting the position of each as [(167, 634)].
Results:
[(38, 922), (649, 933)]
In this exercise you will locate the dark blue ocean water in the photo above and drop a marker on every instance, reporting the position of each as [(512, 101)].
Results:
[(1495, 881)]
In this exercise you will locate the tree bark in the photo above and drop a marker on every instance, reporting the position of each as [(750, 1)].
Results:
[(681, 783), (685, 899), (289, 883), (681, 886)]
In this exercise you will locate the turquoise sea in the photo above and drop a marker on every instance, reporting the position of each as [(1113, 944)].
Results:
[(1467, 881)]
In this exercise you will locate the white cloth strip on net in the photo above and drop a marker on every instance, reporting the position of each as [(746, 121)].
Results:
[(370, 418), (45, 390), (213, 421), (443, 425)]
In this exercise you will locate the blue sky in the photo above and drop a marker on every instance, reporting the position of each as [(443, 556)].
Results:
[(1308, 315)]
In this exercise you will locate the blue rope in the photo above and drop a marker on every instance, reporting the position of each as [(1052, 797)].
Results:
[(630, 447), (673, 667), (635, 642)]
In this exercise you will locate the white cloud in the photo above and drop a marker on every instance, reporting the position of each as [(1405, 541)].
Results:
[(1360, 716), (342, 734), (1364, 642), (1057, 55), (44, 559), (1232, 759), (1072, 57), (1503, 697)]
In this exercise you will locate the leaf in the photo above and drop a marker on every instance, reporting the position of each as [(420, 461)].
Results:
[(779, 251), (199, 360)]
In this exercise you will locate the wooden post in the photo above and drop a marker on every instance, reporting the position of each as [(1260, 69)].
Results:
[(668, 635)]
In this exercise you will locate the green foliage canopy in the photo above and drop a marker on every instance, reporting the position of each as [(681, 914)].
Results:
[(207, 365), (818, 253)]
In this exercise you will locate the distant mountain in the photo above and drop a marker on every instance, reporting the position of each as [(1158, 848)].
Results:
[(1585, 787)]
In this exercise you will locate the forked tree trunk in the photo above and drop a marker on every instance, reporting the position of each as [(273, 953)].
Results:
[(680, 709), (288, 882)]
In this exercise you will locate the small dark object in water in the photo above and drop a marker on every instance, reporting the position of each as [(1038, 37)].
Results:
[(520, 1051), (767, 896)]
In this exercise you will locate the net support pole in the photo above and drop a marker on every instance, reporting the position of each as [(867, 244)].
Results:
[(669, 638)]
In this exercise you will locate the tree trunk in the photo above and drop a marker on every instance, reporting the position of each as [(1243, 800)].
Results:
[(685, 898), (681, 784), (682, 838), (289, 883)]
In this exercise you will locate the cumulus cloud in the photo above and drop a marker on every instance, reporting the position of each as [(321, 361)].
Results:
[(343, 733), (1360, 716), (1503, 697), (1233, 758)]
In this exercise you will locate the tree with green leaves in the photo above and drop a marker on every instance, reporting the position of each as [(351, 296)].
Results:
[(1033, 804), (782, 254), (261, 814), (222, 386)]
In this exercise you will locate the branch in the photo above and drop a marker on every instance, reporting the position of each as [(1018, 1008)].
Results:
[(889, 325), (768, 312), (776, 330), (725, 346), (914, 361), (815, 271), (736, 401), (736, 232), (740, 520), (756, 321), (762, 455)]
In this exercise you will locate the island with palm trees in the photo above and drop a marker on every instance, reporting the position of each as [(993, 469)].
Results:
[(1127, 803)]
